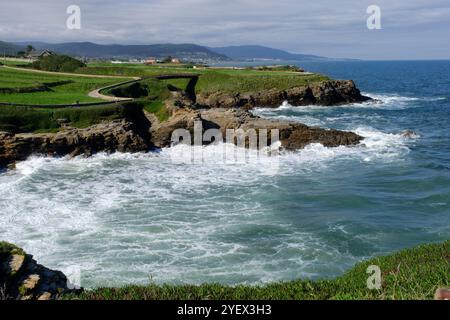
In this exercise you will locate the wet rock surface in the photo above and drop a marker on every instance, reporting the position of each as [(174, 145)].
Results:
[(292, 135), (121, 135)]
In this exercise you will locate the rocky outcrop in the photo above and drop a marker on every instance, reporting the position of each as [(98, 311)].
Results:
[(327, 93), (143, 132), (120, 135), (22, 278), (292, 135), (137, 133)]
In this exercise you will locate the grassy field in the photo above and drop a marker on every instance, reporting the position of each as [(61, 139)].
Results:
[(15, 62), (71, 90), (213, 80), (409, 274)]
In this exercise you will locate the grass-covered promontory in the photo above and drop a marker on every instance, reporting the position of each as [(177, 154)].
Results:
[(45, 90), (30, 87), (215, 79), (409, 274)]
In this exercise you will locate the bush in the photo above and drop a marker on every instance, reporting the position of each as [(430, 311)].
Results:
[(57, 63), (136, 90)]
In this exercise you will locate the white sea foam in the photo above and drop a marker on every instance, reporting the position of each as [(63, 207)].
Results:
[(380, 101), (125, 218)]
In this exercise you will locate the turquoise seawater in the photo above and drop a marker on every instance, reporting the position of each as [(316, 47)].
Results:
[(123, 218)]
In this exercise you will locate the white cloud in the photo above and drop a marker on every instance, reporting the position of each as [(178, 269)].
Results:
[(302, 26)]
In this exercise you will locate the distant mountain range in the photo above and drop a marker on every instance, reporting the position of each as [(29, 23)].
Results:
[(263, 53), (93, 50), (9, 48), (191, 52)]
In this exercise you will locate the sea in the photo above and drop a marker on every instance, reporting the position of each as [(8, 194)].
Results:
[(111, 220)]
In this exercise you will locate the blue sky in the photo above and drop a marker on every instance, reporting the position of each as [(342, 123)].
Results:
[(411, 29)]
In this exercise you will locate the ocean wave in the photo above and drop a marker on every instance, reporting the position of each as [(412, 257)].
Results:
[(380, 101), (124, 217), (396, 101)]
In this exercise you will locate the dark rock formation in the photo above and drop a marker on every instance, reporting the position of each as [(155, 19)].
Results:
[(21, 278), (120, 135), (139, 136), (292, 135), (327, 93)]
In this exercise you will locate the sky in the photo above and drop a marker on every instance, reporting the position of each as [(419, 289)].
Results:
[(410, 29)]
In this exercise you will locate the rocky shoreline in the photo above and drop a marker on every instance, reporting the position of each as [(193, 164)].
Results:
[(326, 93), (141, 131), (127, 136), (293, 135)]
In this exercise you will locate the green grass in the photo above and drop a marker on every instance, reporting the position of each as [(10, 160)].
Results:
[(158, 108), (14, 62), (7, 249), (252, 81), (75, 89), (54, 89), (223, 80), (213, 80), (158, 92), (409, 274), (28, 119)]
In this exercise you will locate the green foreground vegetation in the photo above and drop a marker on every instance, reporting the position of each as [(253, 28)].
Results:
[(409, 274)]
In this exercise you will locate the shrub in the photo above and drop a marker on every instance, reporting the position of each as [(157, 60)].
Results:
[(57, 63), (135, 90)]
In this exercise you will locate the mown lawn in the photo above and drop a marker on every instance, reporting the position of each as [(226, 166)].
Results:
[(72, 90), (409, 274)]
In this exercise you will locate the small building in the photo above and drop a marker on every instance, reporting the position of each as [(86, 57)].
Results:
[(151, 61), (175, 60), (40, 54), (46, 53)]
